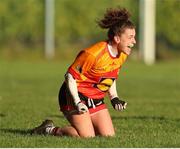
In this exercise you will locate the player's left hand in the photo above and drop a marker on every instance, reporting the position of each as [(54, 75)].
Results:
[(118, 104)]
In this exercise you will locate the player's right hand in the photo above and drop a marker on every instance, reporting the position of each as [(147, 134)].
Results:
[(81, 107)]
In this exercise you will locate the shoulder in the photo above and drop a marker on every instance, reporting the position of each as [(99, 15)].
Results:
[(122, 58), (96, 48), (123, 55)]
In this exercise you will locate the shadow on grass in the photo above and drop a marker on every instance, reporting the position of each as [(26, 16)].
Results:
[(2, 115), (144, 118), (15, 131), (128, 117), (28, 131), (161, 118), (56, 116)]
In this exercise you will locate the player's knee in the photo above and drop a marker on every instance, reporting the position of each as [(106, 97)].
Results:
[(87, 135), (108, 135), (70, 131)]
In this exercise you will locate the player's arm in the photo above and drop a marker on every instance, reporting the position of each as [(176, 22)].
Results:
[(115, 101), (72, 86), (83, 62)]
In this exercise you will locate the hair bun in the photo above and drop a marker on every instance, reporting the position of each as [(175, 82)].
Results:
[(114, 17)]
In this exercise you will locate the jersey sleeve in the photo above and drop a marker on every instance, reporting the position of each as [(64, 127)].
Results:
[(83, 62)]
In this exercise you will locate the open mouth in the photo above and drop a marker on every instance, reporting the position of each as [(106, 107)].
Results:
[(130, 46)]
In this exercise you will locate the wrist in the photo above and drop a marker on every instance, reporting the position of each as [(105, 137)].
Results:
[(77, 101), (115, 98)]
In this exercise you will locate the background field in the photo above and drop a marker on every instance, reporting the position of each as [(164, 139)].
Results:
[(28, 95), (29, 83)]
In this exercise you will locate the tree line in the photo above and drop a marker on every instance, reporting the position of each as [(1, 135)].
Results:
[(22, 23)]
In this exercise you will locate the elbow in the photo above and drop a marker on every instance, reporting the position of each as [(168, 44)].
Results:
[(69, 78)]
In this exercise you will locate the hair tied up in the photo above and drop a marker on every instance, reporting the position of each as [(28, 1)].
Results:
[(114, 17)]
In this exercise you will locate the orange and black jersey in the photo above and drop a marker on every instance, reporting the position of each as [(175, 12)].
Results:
[(94, 70)]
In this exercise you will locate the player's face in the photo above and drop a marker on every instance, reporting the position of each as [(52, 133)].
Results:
[(126, 41)]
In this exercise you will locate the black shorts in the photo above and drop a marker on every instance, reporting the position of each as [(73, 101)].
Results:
[(66, 102)]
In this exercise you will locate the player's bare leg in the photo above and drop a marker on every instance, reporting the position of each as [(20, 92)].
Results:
[(64, 131), (81, 126), (102, 123), (82, 123), (47, 127)]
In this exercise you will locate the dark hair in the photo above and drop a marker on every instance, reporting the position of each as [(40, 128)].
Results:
[(116, 20)]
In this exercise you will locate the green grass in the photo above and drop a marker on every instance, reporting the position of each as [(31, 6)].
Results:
[(28, 95)]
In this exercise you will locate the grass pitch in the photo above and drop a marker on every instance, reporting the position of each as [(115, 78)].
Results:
[(28, 95)]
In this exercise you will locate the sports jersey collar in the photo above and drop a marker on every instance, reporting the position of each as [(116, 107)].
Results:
[(109, 48)]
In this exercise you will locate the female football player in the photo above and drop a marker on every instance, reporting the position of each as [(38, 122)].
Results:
[(90, 77)]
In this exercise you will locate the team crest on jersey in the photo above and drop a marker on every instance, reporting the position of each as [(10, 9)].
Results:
[(104, 84)]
